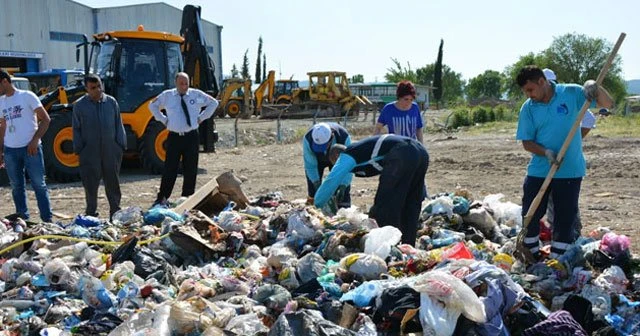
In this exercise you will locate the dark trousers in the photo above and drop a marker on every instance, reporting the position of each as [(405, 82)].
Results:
[(566, 192), (186, 146), (401, 189), (551, 214), (107, 169), (345, 199)]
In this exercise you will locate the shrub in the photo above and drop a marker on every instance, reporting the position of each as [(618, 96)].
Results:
[(460, 118), (480, 115)]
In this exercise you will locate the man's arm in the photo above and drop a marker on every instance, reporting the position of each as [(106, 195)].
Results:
[(3, 128), (154, 107), (43, 125), (343, 166), (533, 147), (310, 163), (211, 104), (378, 129), (604, 98), (76, 124), (121, 137)]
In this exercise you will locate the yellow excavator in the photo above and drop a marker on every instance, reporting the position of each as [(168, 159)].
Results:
[(328, 95), (135, 66)]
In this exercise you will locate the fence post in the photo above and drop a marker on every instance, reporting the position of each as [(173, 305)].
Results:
[(235, 130)]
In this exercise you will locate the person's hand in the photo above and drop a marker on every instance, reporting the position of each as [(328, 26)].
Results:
[(1, 160), (317, 184), (310, 201), (590, 88), (551, 157), (32, 148)]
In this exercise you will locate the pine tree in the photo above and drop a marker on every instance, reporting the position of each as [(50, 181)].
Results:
[(437, 77), (245, 66), (264, 67), (258, 67)]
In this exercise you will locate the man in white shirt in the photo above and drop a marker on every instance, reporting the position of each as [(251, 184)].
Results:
[(20, 148), (185, 109)]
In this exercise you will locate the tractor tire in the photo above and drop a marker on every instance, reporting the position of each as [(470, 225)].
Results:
[(61, 163), (152, 147), (283, 101), (233, 108)]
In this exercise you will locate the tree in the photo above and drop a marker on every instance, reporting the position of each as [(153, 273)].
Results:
[(511, 73), (234, 71), (452, 83), (485, 85), (258, 66), (245, 66), (359, 78), (437, 76), (398, 74), (264, 67), (576, 58)]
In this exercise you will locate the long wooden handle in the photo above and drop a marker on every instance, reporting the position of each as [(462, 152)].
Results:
[(569, 138)]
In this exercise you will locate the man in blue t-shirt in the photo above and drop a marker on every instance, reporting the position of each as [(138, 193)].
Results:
[(402, 117), (545, 120)]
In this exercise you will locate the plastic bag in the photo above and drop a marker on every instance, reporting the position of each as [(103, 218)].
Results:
[(435, 318), (249, 324), (356, 218), (380, 240), (56, 272), (442, 205), (158, 214), (368, 266), (185, 319), (612, 280), (453, 292), (127, 216), (230, 221), (94, 294), (301, 225), (363, 294), (310, 267), (507, 213), (614, 244)]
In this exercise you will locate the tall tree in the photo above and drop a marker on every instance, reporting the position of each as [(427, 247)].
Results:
[(234, 71), (511, 72), (258, 66), (359, 78), (437, 77), (576, 58), (452, 82), (485, 85), (245, 66), (397, 74), (264, 67)]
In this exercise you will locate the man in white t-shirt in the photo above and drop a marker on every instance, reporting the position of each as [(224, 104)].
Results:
[(23, 121)]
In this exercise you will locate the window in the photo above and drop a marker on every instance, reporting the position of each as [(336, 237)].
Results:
[(65, 37)]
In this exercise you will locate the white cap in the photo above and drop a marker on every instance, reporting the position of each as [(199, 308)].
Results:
[(321, 134), (549, 74)]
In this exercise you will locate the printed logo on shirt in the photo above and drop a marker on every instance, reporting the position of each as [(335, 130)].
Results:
[(563, 109), (13, 112), (405, 126), (191, 101)]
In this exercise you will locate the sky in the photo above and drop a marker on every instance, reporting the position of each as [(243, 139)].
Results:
[(362, 36)]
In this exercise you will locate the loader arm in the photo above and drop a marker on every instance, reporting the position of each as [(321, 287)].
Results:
[(197, 62)]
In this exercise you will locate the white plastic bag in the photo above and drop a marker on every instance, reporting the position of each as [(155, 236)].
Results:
[(230, 221), (301, 225), (366, 265), (435, 318), (453, 292), (380, 240), (507, 213)]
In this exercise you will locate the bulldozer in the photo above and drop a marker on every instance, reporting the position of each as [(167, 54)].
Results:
[(328, 95), (135, 66)]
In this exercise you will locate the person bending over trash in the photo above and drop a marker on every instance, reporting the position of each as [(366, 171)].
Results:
[(402, 164), (315, 150)]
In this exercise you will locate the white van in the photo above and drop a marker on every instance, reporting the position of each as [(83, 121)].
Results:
[(21, 83)]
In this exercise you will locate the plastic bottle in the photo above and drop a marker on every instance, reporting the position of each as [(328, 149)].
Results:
[(128, 216)]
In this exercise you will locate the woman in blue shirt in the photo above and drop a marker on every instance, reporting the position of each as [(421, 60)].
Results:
[(402, 117)]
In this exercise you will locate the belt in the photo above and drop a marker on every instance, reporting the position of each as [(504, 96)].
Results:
[(184, 133)]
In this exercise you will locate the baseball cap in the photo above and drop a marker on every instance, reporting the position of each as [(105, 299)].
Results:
[(320, 134), (549, 74)]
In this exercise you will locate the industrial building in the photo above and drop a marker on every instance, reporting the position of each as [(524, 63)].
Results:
[(36, 35)]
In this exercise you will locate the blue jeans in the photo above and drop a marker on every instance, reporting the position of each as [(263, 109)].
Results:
[(16, 162)]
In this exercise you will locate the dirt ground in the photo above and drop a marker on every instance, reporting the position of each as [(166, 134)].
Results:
[(483, 164)]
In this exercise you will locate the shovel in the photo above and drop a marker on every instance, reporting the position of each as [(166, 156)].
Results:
[(522, 252)]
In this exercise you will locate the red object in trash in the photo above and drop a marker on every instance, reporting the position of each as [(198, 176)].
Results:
[(545, 231), (457, 251)]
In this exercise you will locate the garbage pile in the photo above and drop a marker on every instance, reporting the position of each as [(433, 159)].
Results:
[(277, 267)]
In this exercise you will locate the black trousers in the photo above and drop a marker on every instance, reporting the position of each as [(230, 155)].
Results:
[(401, 189), (187, 147), (106, 167)]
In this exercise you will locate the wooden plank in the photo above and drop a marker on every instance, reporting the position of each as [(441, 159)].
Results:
[(604, 194), (61, 215), (196, 198)]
